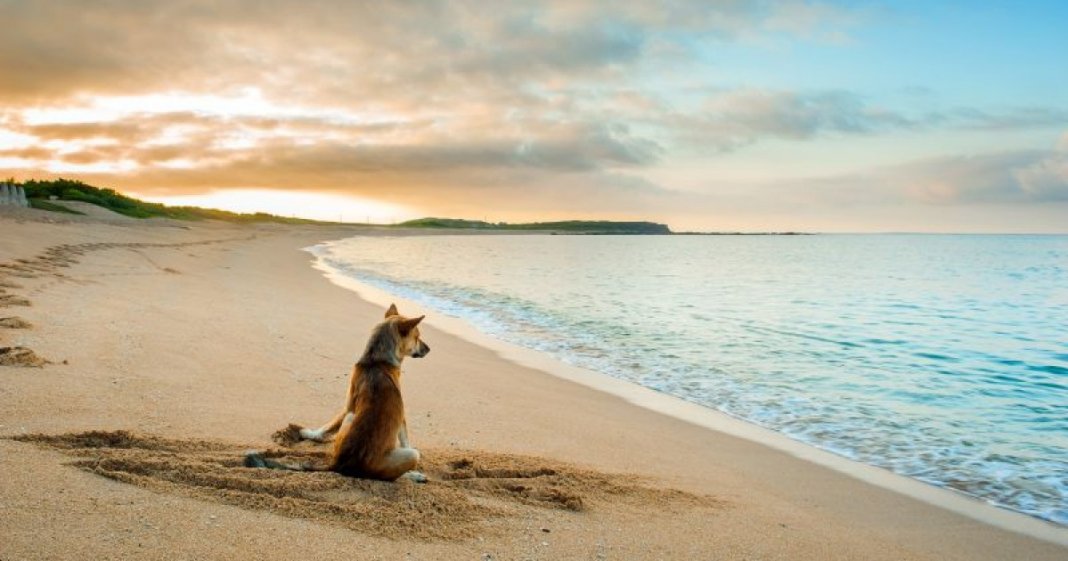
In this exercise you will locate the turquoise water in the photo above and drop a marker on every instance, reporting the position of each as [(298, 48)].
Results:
[(942, 358)]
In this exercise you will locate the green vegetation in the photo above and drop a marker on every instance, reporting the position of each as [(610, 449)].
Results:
[(567, 226), (72, 190), (39, 191), (447, 223), (45, 205)]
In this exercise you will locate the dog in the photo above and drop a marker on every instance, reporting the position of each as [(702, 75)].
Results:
[(371, 439)]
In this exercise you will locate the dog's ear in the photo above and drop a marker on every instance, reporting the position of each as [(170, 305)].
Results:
[(407, 325), (392, 311)]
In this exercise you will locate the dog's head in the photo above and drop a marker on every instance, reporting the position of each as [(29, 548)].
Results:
[(408, 328)]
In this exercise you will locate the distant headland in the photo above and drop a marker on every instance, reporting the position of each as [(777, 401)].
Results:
[(563, 226)]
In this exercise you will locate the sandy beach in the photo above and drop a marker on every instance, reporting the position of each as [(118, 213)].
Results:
[(166, 349)]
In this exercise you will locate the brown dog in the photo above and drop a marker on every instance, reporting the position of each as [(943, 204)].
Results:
[(372, 433)]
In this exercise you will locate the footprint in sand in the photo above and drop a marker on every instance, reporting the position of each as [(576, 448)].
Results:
[(20, 356), (15, 322), (7, 300)]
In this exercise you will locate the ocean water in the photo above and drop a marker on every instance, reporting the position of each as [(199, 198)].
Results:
[(942, 358)]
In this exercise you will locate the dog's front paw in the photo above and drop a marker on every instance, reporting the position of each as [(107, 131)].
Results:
[(415, 476)]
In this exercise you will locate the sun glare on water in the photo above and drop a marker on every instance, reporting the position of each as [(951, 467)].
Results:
[(316, 206)]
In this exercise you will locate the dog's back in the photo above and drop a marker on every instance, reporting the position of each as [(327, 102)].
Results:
[(371, 433)]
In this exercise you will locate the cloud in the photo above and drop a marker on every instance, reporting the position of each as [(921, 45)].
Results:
[(306, 143), (341, 51), (452, 66), (1020, 177), (1007, 119), (1011, 177), (1047, 178), (965, 179), (731, 119)]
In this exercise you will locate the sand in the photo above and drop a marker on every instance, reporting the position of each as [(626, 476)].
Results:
[(174, 347), (467, 489)]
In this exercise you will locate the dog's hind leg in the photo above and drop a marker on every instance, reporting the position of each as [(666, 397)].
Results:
[(400, 461)]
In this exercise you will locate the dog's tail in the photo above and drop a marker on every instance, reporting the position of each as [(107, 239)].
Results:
[(256, 459)]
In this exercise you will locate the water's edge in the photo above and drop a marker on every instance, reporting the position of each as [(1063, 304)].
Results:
[(948, 499)]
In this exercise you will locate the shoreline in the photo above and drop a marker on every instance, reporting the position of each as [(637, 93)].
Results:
[(711, 419), (226, 342)]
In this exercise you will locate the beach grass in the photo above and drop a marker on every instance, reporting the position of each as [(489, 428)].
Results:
[(42, 204)]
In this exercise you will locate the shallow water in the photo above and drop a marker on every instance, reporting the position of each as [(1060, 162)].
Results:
[(943, 358)]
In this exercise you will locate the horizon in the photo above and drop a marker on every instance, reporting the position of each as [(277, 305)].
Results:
[(828, 117)]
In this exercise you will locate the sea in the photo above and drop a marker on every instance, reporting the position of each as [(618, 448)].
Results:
[(943, 358)]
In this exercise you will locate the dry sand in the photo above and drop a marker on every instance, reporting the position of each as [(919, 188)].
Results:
[(172, 348)]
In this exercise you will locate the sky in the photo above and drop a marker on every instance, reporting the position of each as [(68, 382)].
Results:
[(707, 115)]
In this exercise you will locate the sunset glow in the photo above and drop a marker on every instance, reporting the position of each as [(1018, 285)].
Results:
[(831, 116), (317, 206)]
